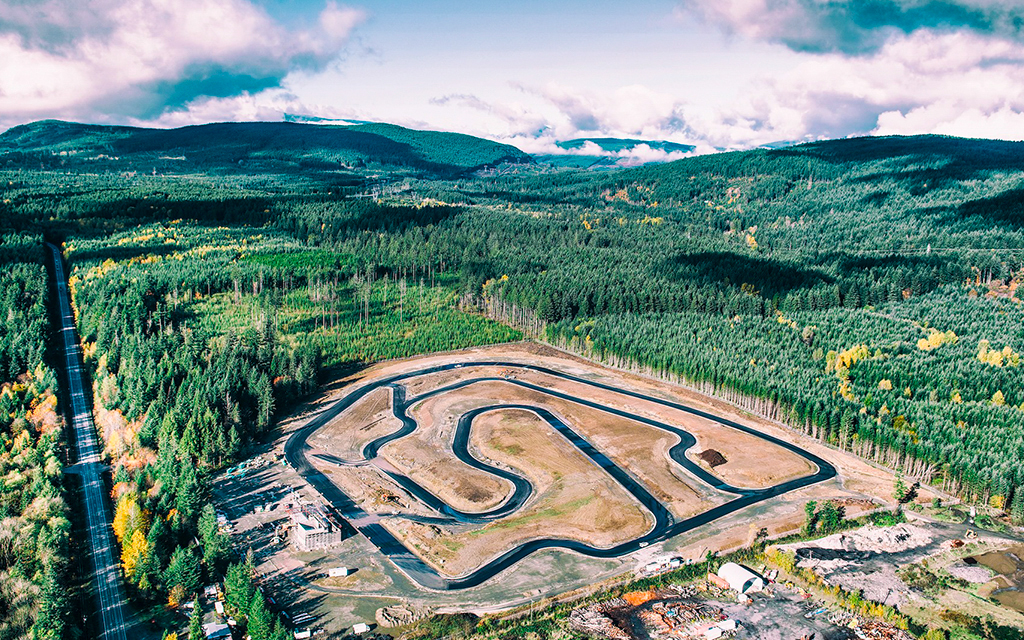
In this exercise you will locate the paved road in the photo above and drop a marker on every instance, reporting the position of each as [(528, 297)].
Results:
[(665, 526), (106, 568)]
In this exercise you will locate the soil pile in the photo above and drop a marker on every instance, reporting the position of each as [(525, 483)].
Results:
[(400, 615), (712, 457)]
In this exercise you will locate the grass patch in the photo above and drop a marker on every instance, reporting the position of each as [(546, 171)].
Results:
[(553, 511), (426, 321)]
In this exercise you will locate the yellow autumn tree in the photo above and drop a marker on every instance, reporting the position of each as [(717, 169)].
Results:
[(998, 399), (176, 596), (129, 517), (936, 339), (133, 553)]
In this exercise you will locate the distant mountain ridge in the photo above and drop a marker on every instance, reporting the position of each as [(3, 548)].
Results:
[(615, 145), (273, 146), (612, 153)]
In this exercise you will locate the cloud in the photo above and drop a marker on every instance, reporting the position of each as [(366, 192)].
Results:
[(855, 26), (555, 112), (112, 60), (633, 110), (506, 120), (928, 82)]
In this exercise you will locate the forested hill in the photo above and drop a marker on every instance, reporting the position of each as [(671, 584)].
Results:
[(876, 194), (866, 292), (252, 146)]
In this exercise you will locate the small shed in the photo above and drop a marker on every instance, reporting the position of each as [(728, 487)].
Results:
[(741, 579), (360, 627)]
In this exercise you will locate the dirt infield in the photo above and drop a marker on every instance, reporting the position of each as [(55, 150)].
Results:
[(639, 447), (426, 457), (369, 418), (745, 454), (573, 498)]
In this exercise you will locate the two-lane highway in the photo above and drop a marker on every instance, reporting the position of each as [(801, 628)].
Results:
[(106, 568)]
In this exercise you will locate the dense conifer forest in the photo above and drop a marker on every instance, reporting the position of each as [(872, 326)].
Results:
[(35, 529), (864, 291)]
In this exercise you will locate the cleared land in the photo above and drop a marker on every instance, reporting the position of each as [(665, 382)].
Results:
[(573, 498), (300, 579), (573, 495), (745, 454), (426, 457), (369, 418), (640, 448)]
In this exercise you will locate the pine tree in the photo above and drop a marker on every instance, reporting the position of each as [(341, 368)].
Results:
[(829, 517), (899, 491), (260, 619), (195, 622), (280, 631), (54, 604), (810, 517), (1017, 510), (159, 543), (189, 497), (183, 571), (238, 586), (215, 544)]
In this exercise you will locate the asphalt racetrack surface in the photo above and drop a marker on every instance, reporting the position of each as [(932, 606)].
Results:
[(665, 525)]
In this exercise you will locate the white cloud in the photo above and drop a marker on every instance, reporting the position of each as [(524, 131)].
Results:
[(633, 110), (927, 82), (106, 60), (948, 119), (854, 26)]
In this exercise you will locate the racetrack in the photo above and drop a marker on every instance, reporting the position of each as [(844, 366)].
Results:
[(665, 524)]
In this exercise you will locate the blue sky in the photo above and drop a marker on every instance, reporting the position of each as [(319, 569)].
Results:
[(714, 73)]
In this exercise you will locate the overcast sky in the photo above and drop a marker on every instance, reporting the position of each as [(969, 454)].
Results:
[(714, 73)]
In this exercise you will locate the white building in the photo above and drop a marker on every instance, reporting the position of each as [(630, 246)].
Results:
[(741, 579), (216, 631), (314, 528)]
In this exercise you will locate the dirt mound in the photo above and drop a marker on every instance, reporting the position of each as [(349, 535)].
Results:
[(871, 540), (400, 614), (712, 457), (974, 575), (637, 598)]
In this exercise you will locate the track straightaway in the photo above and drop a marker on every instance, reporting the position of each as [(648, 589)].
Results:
[(110, 596), (665, 525)]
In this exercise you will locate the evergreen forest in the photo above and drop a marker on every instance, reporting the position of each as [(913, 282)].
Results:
[(864, 291)]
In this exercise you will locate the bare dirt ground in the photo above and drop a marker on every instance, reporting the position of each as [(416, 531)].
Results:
[(860, 483), (426, 457), (875, 561), (369, 418), (573, 498), (633, 445), (745, 454)]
